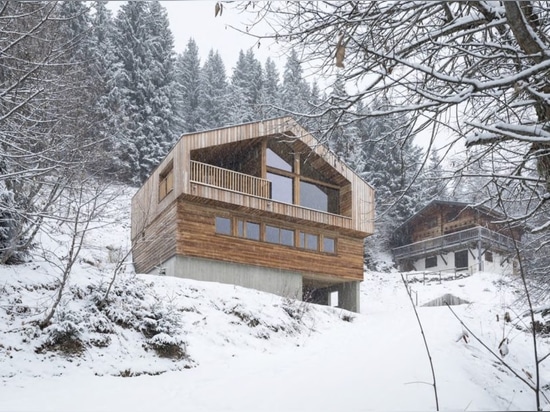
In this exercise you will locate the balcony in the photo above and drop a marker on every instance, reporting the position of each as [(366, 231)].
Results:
[(454, 241), (230, 180), (214, 183)]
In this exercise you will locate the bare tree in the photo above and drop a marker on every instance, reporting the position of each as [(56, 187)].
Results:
[(45, 127), (79, 211), (477, 71)]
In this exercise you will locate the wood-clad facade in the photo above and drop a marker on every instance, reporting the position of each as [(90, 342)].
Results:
[(448, 235), (264, 195)]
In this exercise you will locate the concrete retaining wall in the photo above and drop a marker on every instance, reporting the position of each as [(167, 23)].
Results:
[(280, 282)]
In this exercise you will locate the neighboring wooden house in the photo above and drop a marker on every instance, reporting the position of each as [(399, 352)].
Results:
[(261, 205), (455, 236)]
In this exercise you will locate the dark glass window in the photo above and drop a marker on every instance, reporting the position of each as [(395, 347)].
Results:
[(431, 262), (223, 225), (488, 256), (461, 259)]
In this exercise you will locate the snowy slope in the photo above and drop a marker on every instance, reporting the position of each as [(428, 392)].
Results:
[(251, 351)]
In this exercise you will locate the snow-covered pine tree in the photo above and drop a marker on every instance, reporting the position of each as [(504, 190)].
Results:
[(295, 91), (245, 88), (213, 95), (341, 129), (434, 183), (391, 164), (144, 45), (188, 84), (103, 68), (270, 94), (163, 123)]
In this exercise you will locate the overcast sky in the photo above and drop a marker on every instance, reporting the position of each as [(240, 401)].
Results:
[(196, 19)]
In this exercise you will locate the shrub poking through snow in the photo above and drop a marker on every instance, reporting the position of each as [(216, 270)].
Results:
[(167, 346), (64, 334)]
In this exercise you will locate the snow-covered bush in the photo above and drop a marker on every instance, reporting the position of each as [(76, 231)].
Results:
[(64, 333)]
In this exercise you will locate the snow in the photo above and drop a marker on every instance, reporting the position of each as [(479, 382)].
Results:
[(251, 351)]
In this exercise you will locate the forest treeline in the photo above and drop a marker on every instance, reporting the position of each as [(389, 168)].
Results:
[(84, 91)]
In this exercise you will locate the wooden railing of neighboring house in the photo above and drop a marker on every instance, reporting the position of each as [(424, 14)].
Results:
[(452, 240), (229, 179)]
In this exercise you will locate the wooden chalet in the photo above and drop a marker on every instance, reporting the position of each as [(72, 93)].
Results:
[(261, 205), (457, 237)]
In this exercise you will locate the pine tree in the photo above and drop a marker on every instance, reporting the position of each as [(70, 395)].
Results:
[(145, 85), (341, 130), (213, 96), (270, 94), (246, 88), (295, 92), (188, 80), (434, 184), (391, 165)]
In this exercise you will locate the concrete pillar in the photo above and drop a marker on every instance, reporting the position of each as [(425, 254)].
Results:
[(349, 297)]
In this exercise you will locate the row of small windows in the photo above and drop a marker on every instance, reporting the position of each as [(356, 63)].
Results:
[(461, 259), (275, 234)]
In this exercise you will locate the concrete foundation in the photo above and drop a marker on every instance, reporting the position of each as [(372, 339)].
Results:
[(280, 282)]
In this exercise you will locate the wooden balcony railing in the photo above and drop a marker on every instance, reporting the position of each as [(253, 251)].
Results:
[(229, 179), (453, 240)]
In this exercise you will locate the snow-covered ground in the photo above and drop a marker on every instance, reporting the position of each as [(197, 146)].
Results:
[(251, 351)]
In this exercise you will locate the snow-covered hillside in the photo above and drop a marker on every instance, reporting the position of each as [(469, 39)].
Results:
[(242, 350)]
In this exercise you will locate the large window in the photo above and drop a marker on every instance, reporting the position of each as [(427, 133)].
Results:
[(303, 185), (281, 188), (318, 197), (276, 161)]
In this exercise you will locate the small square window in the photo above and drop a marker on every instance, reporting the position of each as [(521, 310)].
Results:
[(272, 234), (252, 231), (431, 262), (488, 256), (312, 241), (329, 244), (287, 237), (223, 225)]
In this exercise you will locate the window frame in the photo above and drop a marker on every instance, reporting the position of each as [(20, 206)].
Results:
[(430, 262), (166, 181), (216, 226)]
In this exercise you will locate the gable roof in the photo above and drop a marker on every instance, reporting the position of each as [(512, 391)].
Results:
[(286, 127), (358, 195), (462, 205)]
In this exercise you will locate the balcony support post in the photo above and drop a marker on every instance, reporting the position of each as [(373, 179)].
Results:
[(479, 257)]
